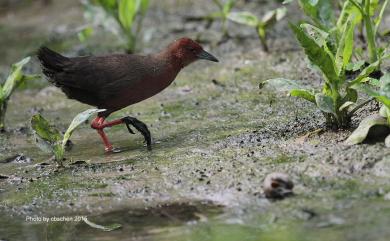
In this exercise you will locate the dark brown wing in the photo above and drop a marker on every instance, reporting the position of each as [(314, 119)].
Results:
[(93, 80)]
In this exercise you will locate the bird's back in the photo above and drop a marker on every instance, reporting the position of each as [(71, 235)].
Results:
[(94, 80)]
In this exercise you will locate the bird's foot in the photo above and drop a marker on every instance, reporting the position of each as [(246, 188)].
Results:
[(141, 127), (112, 150)]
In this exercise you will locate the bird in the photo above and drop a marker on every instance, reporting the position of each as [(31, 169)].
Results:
[(115, 81)]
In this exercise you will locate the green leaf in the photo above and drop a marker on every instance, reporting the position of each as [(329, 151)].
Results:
[(320, 11), (384, 111), (315, 33), (47, 137), (109, 5), (85, 34), (381, 96), (305, 94), (360, 134), (227, 7), (346, 105), (127, 10), (106, 228), (14, 79), (325, 103), (246, 18), (79, 119), (273, 16), (350, 96), (349, 11), (365, 73), (374, 4), (355, 66), (378, 20), (317, 55), (345, 48), (144, 7)]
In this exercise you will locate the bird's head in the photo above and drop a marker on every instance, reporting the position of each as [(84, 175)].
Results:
[(185, 51)]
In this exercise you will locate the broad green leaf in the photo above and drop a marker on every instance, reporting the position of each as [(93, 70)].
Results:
[(320, 11), (317, 55), (349, 10), (305, 94), (14, 79), (281, 84), (346, 105), (360, 134), (315, 33), (355, 66), (345, 48), (246, 18), (381, 96), (227, 7), (79, 119), (365, 72), (106, 228), (85, 33), (47, 137), (127, 10), (325, 103), (373, 82)]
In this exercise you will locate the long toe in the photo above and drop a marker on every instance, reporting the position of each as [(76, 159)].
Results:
[(113, 150), (141, 127)]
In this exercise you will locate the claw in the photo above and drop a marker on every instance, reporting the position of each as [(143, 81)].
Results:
[(141, 127), (129, 129)]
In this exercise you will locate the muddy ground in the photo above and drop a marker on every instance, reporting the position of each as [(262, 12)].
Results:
[(216, 136)]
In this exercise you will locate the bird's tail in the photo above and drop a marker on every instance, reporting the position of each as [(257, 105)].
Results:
[(51, 61)]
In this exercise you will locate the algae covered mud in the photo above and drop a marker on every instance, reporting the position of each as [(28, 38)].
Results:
[(216, 137)]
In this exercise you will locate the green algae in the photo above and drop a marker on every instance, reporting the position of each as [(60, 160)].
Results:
[(214, 140)]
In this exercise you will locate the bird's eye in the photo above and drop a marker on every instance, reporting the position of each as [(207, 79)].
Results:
[(193, 50)]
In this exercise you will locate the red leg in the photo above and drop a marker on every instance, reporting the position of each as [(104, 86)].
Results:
[(98, 124)]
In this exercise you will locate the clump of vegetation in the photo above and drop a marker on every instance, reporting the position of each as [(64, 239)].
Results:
[(50, 139), (364, 12), (224, 8), (15, 79), (381, 92), (128, 14), (222, 13), (261, 25), (329, 45)]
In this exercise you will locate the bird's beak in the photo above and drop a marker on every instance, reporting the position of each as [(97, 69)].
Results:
[(207, 56)]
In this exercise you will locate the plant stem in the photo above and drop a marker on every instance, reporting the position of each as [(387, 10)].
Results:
[(262, 36), (370, 33), (3, 109)]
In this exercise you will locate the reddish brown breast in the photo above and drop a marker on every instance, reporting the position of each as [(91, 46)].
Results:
[(161, 75)]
